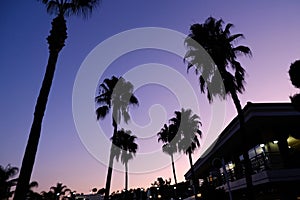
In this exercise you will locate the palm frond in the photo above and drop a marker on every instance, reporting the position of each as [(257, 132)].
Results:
[(227, 28), (243, 50), (133, 100), (101, 112), (235, 36)]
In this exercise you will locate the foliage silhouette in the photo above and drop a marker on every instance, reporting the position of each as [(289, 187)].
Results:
[(186, 126), (31, 195), (116, 94), (56, 41), (6, 181), (219, 43), (127, 149), (166, 135), (59, 190), (294, 73)]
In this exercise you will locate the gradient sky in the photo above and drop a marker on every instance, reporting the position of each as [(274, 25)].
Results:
[(271, 29)]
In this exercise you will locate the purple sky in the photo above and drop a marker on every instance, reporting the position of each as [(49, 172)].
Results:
[(272, 31)]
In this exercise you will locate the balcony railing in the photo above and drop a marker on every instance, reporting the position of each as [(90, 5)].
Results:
[(260, 162)]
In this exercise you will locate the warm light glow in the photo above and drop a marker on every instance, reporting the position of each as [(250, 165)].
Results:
[(275, 141), (199, 195), (159, 196), (262, 145), (174, 187)]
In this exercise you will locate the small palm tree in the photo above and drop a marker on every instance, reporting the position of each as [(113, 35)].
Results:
[(167, 135), (56, 41), (225, 76), (128, 149), (116, 94), (59, 190), (294, 73), (6, 181), (187, 126)]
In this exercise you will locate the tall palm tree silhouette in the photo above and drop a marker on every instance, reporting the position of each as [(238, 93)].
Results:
[(219, 43), (116, 94), (56, 41), (187, 125), (167, 135), (128, 148)]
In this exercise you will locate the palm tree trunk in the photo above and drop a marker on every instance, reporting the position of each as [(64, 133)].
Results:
[(248, 167), (126, 176), (173, 167), (56, 41), (195, 184), (111, 162)]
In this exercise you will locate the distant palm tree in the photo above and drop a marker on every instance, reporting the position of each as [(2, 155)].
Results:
[(6, 181), (128, 149), (59, 190), (187, 126), (116, 94), (70, 195), (294, 73), (166, 135), (219, 43), (31, 195), (56, 41)]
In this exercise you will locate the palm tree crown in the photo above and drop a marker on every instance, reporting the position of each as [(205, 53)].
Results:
[(187, 126), (115, 93), (218, 43), (59, 189), (167, 136), (294, 73), (70, 7)]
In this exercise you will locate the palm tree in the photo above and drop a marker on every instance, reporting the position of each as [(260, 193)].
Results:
[(56, 41), (187, 127), (128, 149), (219, 43), (59, 190), (166, 135), (294, 73), (6, 181), (116, 94)]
